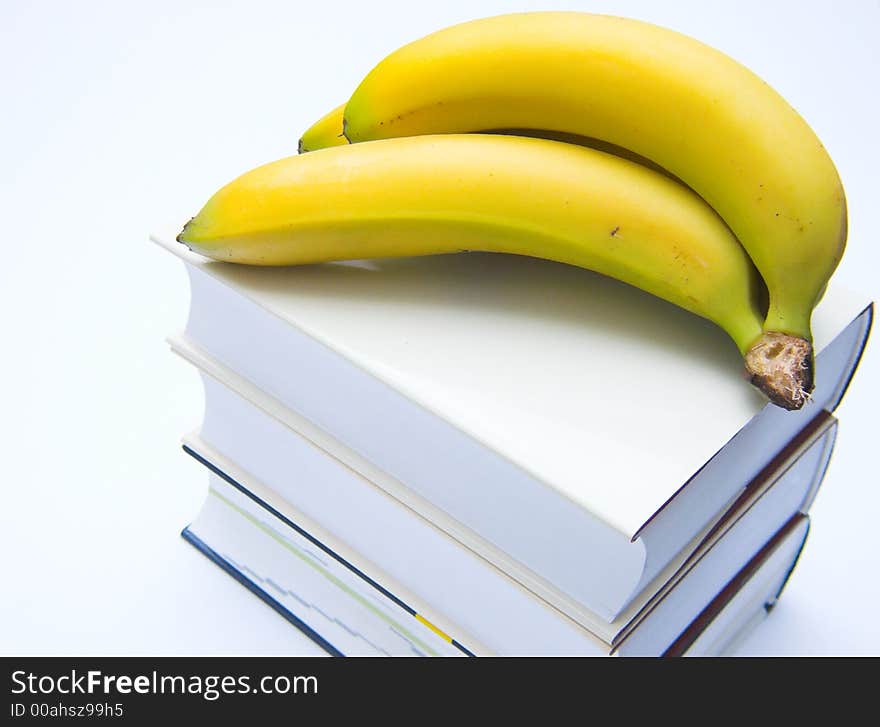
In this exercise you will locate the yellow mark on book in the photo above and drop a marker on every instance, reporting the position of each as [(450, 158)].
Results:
[(434, 628)]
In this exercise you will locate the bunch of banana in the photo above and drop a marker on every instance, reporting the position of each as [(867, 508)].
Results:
[(734, 192)]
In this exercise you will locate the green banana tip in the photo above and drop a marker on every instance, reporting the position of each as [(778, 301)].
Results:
[(782, 366), (181, 237)]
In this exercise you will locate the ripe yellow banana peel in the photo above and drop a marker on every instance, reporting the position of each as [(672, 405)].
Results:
[(508, 194)]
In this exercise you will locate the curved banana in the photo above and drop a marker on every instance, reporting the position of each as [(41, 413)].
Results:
[(325, 132), (448, 193), (689, 108)]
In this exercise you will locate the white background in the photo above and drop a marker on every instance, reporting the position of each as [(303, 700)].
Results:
[(118, 117)]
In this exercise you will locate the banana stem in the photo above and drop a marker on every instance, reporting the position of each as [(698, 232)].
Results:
[(781, 365)]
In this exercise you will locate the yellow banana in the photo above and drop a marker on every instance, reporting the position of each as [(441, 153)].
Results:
[(325, 132), (686, 106), (447, 193)]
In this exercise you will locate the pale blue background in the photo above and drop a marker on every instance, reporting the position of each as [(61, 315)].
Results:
[(118, 117)]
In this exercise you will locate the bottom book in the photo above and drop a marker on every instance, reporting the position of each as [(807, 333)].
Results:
[(307, 576)]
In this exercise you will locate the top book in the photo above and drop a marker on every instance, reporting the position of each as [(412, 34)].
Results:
[(573, 430)]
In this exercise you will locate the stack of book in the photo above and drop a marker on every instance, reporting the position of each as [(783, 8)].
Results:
[(488, 454)]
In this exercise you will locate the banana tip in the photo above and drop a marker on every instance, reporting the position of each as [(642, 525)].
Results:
[(781, 365), (182, 233)]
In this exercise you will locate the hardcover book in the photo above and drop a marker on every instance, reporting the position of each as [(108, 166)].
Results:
[(349, 607)]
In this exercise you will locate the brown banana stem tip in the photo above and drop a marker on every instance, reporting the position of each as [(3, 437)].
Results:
[(781, 366)]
